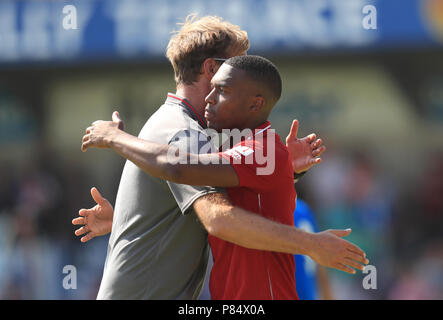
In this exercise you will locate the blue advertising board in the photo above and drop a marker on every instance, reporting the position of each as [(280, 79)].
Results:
[(45, 30)]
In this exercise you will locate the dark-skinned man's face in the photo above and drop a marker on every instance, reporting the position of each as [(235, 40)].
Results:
[(228, 105)]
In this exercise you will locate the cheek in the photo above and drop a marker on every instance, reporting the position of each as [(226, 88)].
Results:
[(226, 111), (220, 106)]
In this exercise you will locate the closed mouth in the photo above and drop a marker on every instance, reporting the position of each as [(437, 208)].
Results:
[(209, 115)]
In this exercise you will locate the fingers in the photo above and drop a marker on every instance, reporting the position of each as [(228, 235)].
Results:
[(84, 230), (311, 138), (317, 143), (294, 130), (81, 230), (317, 148), (87, 237), (344, 268), (85, 212), (79, 221), (98, 198), (317, 152), (354, 264), (353, 248), (116, 117), (86, 138), (341, 233), (357, 257), (86, 144)]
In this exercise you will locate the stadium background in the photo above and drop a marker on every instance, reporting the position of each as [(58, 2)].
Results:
[(374, 96)]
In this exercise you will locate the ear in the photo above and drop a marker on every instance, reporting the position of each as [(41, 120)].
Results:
[(258, 103), (208, 68)]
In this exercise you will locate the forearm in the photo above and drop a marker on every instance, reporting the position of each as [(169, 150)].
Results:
[(148, 156), (252, 231), (168, 163), (255, 232)]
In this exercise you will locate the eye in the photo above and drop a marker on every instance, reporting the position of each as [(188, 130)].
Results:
[(221, 89)]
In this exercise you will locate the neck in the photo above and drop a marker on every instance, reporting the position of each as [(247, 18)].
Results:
[(195, 94), (257, 123)]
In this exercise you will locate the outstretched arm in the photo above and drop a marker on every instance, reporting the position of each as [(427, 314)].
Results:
[(161, 161), (225, 221), (166, 162)]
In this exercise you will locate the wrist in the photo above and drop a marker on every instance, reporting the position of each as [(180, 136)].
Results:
[(309, 243), (112, 138), (298, 175)]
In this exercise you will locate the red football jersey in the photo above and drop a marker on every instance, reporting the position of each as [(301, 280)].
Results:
[(239, 272)]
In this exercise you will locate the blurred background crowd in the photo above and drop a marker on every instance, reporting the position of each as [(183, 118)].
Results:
[(373, 92)]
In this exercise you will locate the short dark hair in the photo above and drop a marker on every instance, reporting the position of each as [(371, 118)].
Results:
[(261, 70)]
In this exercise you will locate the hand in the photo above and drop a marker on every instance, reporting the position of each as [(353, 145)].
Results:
[(100, 133), (330, 250), (305, 152), (97, 221)]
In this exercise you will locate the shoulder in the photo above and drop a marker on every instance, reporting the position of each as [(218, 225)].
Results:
[(168, 122)]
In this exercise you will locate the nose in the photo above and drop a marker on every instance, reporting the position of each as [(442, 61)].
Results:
[(210, 98)]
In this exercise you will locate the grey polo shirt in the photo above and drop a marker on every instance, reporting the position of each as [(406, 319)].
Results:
[(158, 248)]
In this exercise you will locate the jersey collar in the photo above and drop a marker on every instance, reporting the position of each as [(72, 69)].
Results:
[(261, 129), (173, 98)]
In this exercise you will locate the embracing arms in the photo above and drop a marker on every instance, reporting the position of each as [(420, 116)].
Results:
[(192, 169), (215, 211), (225, 221)]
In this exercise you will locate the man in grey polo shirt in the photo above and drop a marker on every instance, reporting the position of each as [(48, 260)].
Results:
[(158, 246)]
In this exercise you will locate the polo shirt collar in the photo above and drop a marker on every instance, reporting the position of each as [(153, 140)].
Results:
[(175, 99)]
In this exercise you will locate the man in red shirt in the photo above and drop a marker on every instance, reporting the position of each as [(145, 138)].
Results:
[(239, 272), (244, 91), (243, 273)]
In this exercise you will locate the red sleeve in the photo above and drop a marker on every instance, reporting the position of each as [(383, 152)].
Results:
[(254, 167)]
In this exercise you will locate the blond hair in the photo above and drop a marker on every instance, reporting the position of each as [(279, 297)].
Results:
[(199, 39)]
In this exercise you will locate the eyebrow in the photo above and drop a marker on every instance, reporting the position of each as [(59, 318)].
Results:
[(222, 83)]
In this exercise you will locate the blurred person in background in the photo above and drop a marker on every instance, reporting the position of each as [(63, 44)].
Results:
[(311, 279), (30, 259), (417, 237), (348, 190)]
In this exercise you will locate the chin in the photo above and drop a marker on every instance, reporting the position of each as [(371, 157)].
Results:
[(213, 126)]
